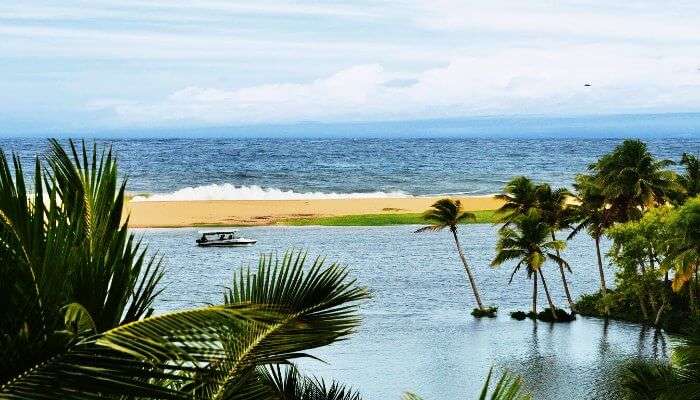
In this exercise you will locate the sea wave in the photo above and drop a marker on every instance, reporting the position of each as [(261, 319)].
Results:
[(229, 191)]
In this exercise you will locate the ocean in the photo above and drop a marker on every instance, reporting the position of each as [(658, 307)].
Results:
[(258, 168)]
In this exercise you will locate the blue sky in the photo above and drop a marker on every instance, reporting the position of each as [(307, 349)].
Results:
[(135, 64)]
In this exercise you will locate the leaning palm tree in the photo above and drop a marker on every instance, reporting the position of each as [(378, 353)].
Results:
[(519, 196), (589, 212), (632, 180), (556, 212), (528, 244), (448, 213)]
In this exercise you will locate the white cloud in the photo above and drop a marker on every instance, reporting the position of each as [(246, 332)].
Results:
[(591, 20), (516, 81), (218, 62)]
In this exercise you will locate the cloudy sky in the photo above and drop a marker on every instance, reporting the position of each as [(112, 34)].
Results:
[(105, 64)]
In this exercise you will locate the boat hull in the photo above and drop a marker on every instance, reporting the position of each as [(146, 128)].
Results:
[(227, 243)]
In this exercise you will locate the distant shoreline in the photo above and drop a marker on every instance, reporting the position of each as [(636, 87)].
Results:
[(328, 212)]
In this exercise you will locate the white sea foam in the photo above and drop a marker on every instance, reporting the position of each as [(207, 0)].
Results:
[(228, 191)]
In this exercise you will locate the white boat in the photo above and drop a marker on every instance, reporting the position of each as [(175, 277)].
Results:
[(223, 239)]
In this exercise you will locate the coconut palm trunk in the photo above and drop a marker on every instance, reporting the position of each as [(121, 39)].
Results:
[(603, 286), (549, 298), (563, 279), (472, 282), (691, 295), (534, 295)]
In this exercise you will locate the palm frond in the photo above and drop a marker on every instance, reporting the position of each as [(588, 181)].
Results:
[(316, 308), (269, 318), (508, 387)]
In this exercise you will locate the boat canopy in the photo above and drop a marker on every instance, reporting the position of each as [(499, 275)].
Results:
[(229, 232)]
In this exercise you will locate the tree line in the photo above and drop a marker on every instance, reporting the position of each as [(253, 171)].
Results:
[(649, 212)]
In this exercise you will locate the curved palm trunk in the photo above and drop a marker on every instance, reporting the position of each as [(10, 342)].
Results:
[(563, 279), (603, 287), (472, 282), (534, 295), (691, 295), (549, 298)]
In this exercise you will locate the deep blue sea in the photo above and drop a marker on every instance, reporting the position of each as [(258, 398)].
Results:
[(317, 168)]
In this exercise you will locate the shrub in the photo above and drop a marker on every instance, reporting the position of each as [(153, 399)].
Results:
[(489, 312), (562, 316), (519, 315)]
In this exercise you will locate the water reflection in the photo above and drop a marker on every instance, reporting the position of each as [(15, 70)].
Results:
[(417, 333)]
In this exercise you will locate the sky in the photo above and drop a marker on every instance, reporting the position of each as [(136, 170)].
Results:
[(135, 64)]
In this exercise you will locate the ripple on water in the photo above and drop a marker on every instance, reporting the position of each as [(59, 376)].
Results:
[(417, 333)]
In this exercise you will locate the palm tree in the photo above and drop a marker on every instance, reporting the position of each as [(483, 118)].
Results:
[(448, 213), (67, 261), (632, 180), (589, 212), (684, 248), (519, 196), (268, 319), (556, 213), (528, 243), (690, 179)]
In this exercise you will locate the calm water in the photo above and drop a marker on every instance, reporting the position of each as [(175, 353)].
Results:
[(417, 333), (411, 166)]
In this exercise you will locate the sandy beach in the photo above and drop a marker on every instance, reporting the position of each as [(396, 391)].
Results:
[(266, 212)]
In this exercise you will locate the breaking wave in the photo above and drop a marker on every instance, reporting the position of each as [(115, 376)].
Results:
[(228, 191)]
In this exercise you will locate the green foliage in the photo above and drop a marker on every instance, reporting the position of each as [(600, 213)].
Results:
[(446, 213), (384, 219), (653, 380), (508, 387), (489, 312), (289, 384), (553, 206), (561, 315), (521, 315), (632, 180), (65, 250), (527, 244), (683, 243), (689, 180), (623, 304), (589, 210), (519, 196), (269, 318)]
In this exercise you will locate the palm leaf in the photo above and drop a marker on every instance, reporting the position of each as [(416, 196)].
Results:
[(289, 384)]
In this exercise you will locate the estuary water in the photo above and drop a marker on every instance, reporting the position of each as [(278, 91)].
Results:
[(417, 333)]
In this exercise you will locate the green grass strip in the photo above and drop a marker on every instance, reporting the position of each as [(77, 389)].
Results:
[(482, 217)]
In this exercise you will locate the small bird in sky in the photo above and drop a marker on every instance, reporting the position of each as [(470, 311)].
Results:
[(587, 85)]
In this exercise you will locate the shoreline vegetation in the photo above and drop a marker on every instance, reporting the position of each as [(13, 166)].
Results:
[(76, 304)]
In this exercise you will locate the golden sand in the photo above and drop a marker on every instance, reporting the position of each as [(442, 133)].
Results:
[(266, 212)]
